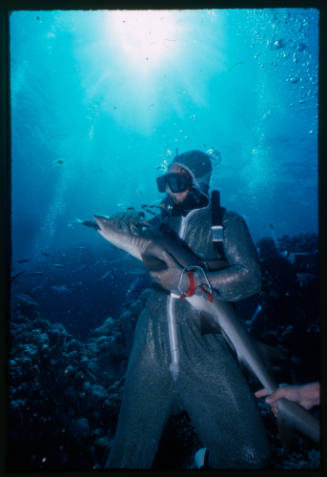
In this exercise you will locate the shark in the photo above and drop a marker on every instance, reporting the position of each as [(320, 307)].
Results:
[(152, 247)]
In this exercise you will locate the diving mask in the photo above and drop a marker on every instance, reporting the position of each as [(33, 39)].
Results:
[(176, 182)]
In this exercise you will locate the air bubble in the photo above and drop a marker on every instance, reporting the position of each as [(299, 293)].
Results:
[(293, 79), (267, 114), (278, 44), (215, 155)]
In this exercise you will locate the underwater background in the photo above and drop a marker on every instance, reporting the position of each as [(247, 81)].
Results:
[(101, 102)]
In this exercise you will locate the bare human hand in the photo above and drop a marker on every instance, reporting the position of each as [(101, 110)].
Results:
[(307, 395)]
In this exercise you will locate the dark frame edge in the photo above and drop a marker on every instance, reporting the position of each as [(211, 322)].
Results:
[(5, 225)]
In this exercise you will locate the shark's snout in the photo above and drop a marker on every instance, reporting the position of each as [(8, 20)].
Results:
[(101, 220)]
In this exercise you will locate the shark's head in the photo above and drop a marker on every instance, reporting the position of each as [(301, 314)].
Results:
[(118, 234), (124, 236), (141, 245)]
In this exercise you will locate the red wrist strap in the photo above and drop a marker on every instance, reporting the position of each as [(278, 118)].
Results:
[(191, 289), (209, 296)]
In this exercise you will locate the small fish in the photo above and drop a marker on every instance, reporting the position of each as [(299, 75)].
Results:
[(25, 298), (58, 161), (17, 275), (77, 284), (135, 272), (236, 64), (58, 265), (145, 206), (37, 288), (130, 208), (61, 289), (79, 269), (46, 254), (150, 212)]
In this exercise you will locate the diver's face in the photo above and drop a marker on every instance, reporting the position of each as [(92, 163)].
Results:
[(178, 197)]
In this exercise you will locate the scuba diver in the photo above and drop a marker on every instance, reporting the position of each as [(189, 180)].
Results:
[(177, 361)]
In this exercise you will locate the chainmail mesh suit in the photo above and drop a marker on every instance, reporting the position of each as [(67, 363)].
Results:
[(209, 384)]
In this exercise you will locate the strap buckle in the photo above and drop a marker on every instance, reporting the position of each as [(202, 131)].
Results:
[(204, 286), (217, 233)]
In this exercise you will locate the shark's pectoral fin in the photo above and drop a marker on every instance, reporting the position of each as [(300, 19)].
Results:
[(153, 263)]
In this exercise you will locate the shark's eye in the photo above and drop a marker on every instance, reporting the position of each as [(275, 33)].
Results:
[(134, 228)]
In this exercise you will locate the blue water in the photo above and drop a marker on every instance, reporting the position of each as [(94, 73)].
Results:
[(111, 96)]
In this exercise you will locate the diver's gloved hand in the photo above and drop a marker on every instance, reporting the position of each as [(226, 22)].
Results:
[(177, 279), (130, 221), (172, 278)]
